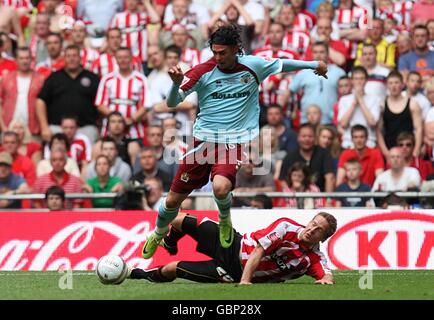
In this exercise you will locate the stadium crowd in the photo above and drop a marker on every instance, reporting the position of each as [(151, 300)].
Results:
[(84, 82)]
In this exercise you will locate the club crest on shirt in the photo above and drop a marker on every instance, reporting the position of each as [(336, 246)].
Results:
[(85, 82), (245, 79), (185, 177)]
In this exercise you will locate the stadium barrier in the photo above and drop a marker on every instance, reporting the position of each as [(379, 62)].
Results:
[(365, 239)]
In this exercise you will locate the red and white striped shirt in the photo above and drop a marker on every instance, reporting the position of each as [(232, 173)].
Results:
[(88, 56), (286, 257), (348, 19), (273, 85), (48, 66), (403, 10), (17, 4), (304, 22), (79, 150), (106, 63), (190, 57), (134, 33), (126, 95), (295, 41)]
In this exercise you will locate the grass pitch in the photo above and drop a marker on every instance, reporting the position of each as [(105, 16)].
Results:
[(386, 285)]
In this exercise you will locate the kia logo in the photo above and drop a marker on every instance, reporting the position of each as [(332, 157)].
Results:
[(398, 240)]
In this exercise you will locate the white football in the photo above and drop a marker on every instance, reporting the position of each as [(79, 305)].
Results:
[(111, 269)]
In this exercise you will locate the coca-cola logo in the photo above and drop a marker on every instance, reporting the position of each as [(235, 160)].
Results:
[(398, 240), (76, 246)]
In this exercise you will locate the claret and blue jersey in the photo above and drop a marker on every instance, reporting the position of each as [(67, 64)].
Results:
[(228, 100)]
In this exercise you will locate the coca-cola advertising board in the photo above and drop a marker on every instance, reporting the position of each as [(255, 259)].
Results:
[(365, 239)]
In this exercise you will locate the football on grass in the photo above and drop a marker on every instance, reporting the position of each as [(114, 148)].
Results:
[(111, 269)]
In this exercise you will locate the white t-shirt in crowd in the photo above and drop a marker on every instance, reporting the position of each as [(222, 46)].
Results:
[(430, 115), (376, 84), (410, 177), (255, 10), (373, 104), (22, 105), (422, 101), (197, 10)]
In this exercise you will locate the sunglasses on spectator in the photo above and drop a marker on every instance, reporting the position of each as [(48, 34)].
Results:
[(405, 144)]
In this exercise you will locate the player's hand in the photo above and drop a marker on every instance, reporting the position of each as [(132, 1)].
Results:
[(322, 69), (176, 74), (324, 281)]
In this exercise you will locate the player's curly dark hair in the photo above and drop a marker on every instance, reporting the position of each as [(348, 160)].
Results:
[(228, 35)]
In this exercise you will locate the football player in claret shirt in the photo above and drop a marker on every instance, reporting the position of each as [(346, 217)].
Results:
[(282, 251), (228, 119)]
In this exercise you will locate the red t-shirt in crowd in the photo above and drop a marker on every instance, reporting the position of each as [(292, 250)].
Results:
[(371, 160)]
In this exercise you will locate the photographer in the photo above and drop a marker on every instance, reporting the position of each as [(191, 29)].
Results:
[(136, 196)]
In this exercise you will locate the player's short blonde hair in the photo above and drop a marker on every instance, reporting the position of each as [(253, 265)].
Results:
[(331, 220)]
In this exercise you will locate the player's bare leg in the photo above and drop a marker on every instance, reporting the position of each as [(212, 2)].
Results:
[(222, 187), (166, 213)]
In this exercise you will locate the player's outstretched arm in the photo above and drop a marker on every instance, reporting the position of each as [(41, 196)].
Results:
[(327, 279), (290, 65), (177, 76), (252, 263)]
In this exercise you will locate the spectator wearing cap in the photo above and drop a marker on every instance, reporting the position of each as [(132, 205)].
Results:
[(18, 93), (71, 90), (21, 165), (10, 183), (55, 198), (59, 177)]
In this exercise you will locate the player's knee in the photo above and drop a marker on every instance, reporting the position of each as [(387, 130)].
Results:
[(169, 270), (221, 189), (173, 200)]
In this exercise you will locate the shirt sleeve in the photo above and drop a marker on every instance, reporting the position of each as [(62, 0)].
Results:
[(102, 93), (265, 67), (45, 93), (319, 268), (296, 84)]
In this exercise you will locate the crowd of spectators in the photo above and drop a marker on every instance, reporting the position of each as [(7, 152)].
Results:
[(83, 85)]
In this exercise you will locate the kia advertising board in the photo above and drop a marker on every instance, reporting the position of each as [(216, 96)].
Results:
[(365, 239)]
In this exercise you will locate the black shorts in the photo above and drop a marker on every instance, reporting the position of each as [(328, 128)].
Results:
[(225, 265)]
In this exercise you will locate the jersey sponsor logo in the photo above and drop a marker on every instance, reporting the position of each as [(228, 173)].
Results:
[(273, 237), (123, 101), (235, 95)]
